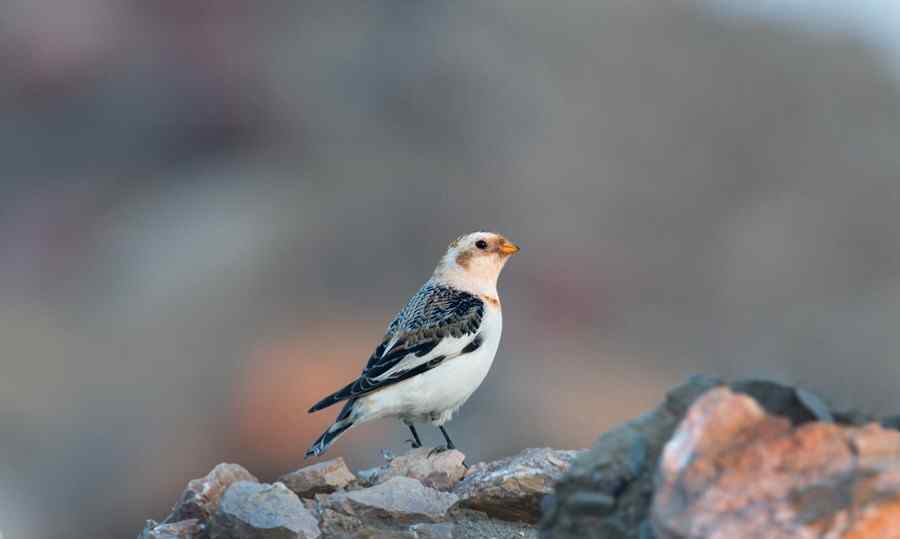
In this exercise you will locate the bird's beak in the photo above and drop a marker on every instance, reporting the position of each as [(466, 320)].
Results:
[(508, 248)]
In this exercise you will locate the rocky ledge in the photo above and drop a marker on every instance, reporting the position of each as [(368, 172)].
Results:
[(742, 460), (422, 494)]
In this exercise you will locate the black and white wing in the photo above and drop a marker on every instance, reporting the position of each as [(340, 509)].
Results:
[(438, 323)]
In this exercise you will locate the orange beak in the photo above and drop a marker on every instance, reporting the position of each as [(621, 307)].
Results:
[(508, 248)]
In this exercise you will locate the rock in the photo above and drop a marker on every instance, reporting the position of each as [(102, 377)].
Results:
[(260, 511), (892, 422), (798, 405), (608, 489), (441, 471), (369, 476), (201, 497), (443, 530), (321, 478), (334, 524), (733, 471), (399, 499), (512, 488), (185, 529), (474, 525)]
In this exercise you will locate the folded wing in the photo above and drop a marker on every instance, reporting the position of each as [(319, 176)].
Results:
[(436, 324)]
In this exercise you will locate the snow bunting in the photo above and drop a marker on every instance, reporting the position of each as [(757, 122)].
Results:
[(436, 351)]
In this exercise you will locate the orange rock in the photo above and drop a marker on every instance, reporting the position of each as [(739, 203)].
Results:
[(731, 471)]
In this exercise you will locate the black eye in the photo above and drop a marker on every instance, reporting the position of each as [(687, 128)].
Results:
[(481, 244)]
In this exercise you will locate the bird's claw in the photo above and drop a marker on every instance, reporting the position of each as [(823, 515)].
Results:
[(412, 443), (438, 450)]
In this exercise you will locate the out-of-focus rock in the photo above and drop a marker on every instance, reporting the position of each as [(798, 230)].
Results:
[(732, 471), (399, 499), (185, 529), (608, 490), (441, 470), (798, 405), (261, 511), (512, 488), (892, 422), (320, 478), (201, 497)]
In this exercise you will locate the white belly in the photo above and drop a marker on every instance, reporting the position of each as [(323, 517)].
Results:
[(436, 394)]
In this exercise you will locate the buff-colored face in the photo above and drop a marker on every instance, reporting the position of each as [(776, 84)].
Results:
[(474, 261), (480, 248), (481, 254)]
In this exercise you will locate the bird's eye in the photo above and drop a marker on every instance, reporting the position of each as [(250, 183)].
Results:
[(481, 244)]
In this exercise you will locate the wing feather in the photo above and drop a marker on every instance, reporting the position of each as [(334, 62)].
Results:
[(437, 323)]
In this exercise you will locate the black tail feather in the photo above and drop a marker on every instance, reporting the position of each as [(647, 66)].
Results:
[(341, 424), (334, 398), (327, 438)]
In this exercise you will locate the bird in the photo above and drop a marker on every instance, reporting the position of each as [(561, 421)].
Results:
[(436, 351)]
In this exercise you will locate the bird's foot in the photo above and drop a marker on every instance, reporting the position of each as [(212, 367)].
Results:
[(440, 449), (413, 444)]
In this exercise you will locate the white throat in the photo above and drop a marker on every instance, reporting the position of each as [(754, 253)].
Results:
[(479, 277)]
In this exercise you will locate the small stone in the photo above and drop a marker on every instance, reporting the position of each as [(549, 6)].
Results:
[(201, 497), (369, 476), (399, 499), (185, 529), (261, 511), (441, 470), (512, 488), (321, 478)]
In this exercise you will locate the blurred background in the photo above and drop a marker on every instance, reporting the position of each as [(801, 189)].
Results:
[(210, 211)]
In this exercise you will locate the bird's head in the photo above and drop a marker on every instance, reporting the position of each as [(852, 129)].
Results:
[(474, 261)]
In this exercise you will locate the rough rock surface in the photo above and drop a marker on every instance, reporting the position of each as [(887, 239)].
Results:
[(441, 470), (185, 529), (733, 471), (260, 511), (320, 478), (513, 488), (608, 490), (399, 499), (201, 497)]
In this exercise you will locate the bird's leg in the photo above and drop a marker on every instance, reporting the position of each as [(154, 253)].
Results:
[(447, 447), (415, 442), (447, 437)]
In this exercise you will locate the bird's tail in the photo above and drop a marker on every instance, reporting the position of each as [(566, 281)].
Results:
[(343, 422)]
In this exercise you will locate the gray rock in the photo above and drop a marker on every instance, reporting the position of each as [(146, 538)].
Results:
[(892, 422), (443, 530), (512, 488), (334, 524), (369, 476), (798, 405), (441, 470), (474, 525), (185, 529), (320, 478), (399, 499), (200, 498), (261, 511)]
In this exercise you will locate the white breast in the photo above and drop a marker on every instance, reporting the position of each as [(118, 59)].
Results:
[(436, 394)]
